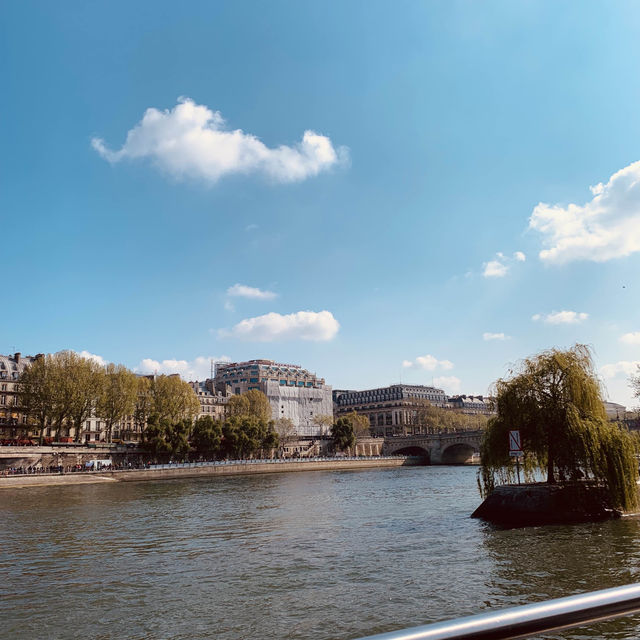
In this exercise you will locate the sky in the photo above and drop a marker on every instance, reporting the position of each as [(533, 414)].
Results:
[(424, 192)]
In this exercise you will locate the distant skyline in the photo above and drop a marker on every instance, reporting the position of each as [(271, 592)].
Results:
[(377, 191)]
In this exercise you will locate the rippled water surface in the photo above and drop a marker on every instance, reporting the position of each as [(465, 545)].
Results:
[(314, 556)]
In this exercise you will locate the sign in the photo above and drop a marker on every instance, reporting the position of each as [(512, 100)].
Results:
[(515, 448)]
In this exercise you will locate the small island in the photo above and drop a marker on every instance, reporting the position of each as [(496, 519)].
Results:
[(554, 399)]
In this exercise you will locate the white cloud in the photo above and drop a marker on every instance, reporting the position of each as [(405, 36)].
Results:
[(631, 338), (606, 227), (197, 369), (428, 363), (191, 141), (561, 317), (499, 267), (92, 356), (243, 291), (625, 367), (251, 227), (304, 325), (450, 384), (495, 269), (488, 336)]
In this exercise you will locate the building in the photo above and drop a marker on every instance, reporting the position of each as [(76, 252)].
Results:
[(13, 420), (471, 404), (212, 403), (615, 411), (391, 410), (293, 392)]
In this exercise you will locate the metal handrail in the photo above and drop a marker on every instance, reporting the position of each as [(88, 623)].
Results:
[(530, 619)]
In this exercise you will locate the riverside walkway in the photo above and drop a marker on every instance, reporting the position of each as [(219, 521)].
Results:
[(203, 469)]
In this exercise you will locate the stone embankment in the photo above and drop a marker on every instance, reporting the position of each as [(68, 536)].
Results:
[(200, 470)]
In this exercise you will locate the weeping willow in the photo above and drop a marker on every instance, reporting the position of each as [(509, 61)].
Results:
[(555, 400)]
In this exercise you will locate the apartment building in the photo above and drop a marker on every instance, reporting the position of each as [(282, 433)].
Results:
[(293, 392)]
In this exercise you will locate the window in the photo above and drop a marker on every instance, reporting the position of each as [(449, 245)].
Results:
[(253, 379)]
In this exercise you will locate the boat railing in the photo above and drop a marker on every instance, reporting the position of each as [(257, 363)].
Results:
[(529, 620)]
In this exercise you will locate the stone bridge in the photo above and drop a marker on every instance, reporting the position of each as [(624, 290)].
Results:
[(460, 447)]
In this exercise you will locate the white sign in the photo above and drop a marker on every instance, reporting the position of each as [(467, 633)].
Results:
[(515, 448)]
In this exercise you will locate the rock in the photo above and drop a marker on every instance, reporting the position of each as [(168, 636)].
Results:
[(538, 504)]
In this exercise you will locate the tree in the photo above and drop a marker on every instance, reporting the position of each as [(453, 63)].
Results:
[(253, 403), (634, 382), (85, 380), (554, 399), (144, 404), (360, 424), (173, 399), (342, 434), (285, 429), (118, 397), (166, 440), (38, 392), (245, 435), (323, 422), (206, 436)]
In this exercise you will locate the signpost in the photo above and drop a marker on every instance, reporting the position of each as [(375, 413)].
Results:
[(515, 449)]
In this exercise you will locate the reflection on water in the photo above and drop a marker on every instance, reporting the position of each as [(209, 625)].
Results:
[(312, 555)]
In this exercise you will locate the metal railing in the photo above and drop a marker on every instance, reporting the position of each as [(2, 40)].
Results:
[(530, 619)]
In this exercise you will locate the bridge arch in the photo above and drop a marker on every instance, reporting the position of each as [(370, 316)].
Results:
[(414, 450), (458, 453)]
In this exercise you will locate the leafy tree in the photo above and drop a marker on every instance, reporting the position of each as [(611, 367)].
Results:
[(246, 435), (166, 440), (38, 392), (144, 403), (118, 397), (431, 419), (85, 379), (342, 434), (360, 424), (323, 422), (206, 436), (253, 403), (554, 399), (173, 399)]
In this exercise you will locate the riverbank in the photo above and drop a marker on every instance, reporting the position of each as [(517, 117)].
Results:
[(198, 470)]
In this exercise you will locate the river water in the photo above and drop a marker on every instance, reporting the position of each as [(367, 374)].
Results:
[(313, 556)]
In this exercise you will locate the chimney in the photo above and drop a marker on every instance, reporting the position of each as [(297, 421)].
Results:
[(16, 357)]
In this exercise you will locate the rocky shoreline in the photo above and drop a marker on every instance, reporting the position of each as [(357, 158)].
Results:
[(541, 503)]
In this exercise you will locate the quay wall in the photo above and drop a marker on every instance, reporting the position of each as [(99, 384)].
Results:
[(171, 472)]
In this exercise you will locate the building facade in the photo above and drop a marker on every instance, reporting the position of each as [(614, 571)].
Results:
[(391, 410), (13, 420), (212, 403), (293, 392), (471, 404)]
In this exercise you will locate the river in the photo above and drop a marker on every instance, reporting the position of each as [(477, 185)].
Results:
[(313, 556)]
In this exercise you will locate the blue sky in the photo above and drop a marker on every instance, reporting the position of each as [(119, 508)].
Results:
[(440, 220)]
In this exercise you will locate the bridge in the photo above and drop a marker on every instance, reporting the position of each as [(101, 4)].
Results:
[(460, 447)]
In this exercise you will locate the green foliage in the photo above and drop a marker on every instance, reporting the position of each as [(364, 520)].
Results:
[(166, 440), (253, 403), (432, 419), (173, 399), (360, 424), (246, 435), (118, 395), (342, 434), (206, 436), (555, 401)]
